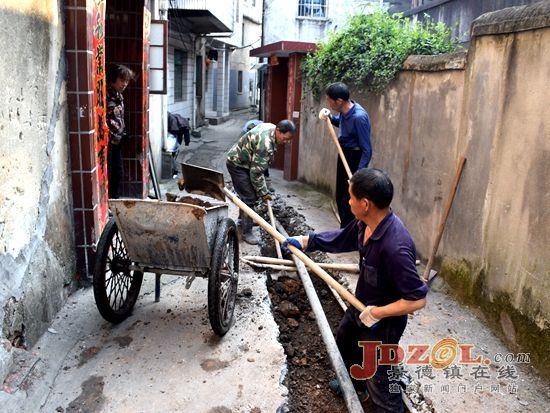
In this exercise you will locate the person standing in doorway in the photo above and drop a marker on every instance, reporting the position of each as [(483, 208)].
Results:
[(247, 160), (118, 77), (354, 137)]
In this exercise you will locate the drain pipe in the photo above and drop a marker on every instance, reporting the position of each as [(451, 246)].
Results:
[(350, 395)]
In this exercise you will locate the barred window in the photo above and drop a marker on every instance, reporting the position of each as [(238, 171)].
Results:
[(312, 8)]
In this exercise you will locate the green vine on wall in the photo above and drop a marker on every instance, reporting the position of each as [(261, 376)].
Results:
[(371, 49)]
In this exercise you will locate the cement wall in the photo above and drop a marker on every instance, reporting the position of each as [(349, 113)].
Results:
[(495, 112), (37, 257)]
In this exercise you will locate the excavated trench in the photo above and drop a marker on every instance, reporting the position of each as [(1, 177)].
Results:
[(309, 367)]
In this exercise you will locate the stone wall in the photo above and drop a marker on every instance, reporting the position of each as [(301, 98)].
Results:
[(491, 106), (36, 225)]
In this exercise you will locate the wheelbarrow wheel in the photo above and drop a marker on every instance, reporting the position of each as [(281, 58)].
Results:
[(116, 287), (223, 277)]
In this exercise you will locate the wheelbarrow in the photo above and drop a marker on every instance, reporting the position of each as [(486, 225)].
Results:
[(149, 236)]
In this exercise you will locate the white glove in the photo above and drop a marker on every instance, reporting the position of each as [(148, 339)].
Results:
[(367, 318), (324, 114)]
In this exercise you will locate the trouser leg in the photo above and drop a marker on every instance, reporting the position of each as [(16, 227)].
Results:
[(350, 333), (244, 189), (114, 170), (342, 195)]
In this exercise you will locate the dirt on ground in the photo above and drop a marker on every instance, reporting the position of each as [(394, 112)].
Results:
[(309, 367)]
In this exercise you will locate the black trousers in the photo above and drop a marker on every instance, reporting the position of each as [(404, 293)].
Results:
[(353, 156), (243, 187), (388, 331), (114, 169)]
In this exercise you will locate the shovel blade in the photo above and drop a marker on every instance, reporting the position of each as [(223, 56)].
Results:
[(203, 181)]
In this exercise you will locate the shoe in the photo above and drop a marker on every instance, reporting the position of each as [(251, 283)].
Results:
[(334, 385), (250, 238)]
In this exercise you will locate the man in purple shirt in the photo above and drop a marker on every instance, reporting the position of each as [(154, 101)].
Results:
[(388, 284), (354, 125)]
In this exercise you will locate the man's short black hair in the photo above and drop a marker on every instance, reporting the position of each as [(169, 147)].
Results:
[(337, 90), (285, 126), (373, 184)]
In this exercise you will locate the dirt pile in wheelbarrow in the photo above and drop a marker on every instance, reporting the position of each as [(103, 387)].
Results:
[(187, 200)]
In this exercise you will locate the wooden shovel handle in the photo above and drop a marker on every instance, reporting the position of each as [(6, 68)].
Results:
[(441, 227), (272, 219), (344, 293), (340, 152)]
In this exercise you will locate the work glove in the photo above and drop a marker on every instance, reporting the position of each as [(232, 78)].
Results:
[(367, 318), (324, 114), (294, 241), (267, 197)]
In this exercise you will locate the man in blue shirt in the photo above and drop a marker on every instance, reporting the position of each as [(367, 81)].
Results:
[(389, 284), (354, 124)]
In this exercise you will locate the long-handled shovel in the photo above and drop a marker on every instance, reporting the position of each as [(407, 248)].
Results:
[(282, 272), (338, 147), (272, 219), (210, 182), (344, 293)]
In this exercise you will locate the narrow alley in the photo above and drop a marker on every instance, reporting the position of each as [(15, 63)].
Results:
[(166, 358)]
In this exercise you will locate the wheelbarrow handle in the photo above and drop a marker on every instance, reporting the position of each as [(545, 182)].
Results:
[(344, 293)]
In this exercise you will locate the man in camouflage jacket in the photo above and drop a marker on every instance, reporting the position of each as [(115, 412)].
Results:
[(247, 160)]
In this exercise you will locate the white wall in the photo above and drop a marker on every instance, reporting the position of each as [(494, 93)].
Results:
[(281, 20), (247, 35), (37, 256), (158, 106), (184, 42)]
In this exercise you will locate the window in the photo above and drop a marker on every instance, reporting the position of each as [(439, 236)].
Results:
[(240, 81), (312, 8), (198, 76), (180, 58), (157, 56)]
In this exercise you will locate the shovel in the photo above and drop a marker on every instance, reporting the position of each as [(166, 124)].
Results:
[(338, 147), (272, 219), (282, 271), (204, 181)]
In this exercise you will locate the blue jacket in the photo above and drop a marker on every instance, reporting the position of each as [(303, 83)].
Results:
[(355, 131)]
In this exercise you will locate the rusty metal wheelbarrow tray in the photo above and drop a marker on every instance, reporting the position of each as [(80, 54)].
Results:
[(168, 235)]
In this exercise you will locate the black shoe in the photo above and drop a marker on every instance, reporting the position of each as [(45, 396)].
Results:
[(250, 238), (335, 387)]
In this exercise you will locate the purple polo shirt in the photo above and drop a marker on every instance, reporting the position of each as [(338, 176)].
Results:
[(388, 260)]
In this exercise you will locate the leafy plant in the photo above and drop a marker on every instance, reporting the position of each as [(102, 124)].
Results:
[(371, 49)]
